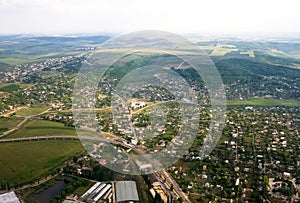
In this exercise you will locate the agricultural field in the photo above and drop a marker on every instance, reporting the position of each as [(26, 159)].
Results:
[(263, 102), (22, 162), (295, 54), (44, 124), (222, 49), (278, 53), (3, 84), (16, 61), (9, 87), (207, 48), (250, 53), (32, 110), (25, 59), (3, 94), (21, 85), (37, 128), (7, 123), (53, 55)]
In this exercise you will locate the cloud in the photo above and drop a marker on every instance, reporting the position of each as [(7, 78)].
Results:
[(20, 3), (10, 3), (131, 15)]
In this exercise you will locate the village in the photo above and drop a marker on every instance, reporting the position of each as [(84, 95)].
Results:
[(257, 156)]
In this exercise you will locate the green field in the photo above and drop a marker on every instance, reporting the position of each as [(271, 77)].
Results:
[(250, 53), (4, 84), (15, 61), (9, 122), (44, 124), (31, 111), (23, 57), (29, 132), (263, 102), (23, 162), (6, 123), (222, 49), (37, 128), (10, 88), (21, 85), (53, 55)]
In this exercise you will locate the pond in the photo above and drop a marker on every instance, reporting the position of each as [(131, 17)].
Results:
[(48, 194)]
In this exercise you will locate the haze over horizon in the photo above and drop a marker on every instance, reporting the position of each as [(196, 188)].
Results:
[(195, 17)]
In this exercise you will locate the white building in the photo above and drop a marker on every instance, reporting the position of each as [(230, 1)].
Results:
[(9, 197)]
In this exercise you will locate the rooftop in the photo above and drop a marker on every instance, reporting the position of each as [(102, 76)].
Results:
[(126, 191), (9, 197)]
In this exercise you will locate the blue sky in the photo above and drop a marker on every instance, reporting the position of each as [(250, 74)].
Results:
[(180, 16)]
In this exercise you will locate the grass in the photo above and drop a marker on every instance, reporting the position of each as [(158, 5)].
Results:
[(53, 55), (37, 128), (276, 52), (23, 86), (187, 50), (23, 59), (6, 123), (207, 48), (250, 53), (15, 61), (22, 162), (3, 94), (81, 190), (42, 132), (263, 102), (31, 111), (44, 124), (9, 122), (222, 49), (10, 88), (4, 84)]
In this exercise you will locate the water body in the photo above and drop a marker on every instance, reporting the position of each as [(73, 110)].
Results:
[(48, 194)]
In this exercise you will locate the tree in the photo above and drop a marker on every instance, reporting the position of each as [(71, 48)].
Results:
[(75, 159)]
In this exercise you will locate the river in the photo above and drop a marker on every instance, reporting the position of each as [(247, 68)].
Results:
[(48, 194)]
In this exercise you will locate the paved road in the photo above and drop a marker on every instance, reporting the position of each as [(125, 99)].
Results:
[(176, 187), (164, 173)]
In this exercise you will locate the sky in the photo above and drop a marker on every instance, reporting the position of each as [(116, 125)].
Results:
[(121, 16)]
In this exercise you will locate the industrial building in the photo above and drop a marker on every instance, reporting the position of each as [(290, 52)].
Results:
[(126, 191), (9, 197), (99, 192), (111, 192)]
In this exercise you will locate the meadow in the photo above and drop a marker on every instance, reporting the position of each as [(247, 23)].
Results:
[(37, 128), (222, 49), (263, 102), (9, 122), (250, 53), (23, 162), (32, 110)]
